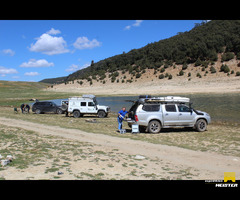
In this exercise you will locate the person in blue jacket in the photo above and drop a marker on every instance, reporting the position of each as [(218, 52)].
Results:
[(121, 115)]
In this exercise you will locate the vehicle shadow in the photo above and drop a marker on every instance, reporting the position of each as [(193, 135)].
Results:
[(168, 130)]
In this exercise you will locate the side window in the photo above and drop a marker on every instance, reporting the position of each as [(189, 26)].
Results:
[(151, 108), (170, 108), (83, 103), (183, 108), (91, 104)]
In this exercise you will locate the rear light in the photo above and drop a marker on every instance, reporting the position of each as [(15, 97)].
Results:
[(136, 118)]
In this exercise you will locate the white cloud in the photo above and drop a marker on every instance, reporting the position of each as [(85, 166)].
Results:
[(85, 43), (53, 31), (74, 67), (9, 52), (31, 74), (50, 45), (4, 71), (136, 24), (37, 63)]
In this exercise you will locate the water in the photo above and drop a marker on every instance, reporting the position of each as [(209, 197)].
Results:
[(221, 107)]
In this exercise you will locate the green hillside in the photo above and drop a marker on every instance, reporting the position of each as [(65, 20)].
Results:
[(200, 45)]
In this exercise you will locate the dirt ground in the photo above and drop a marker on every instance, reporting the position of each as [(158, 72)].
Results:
[(149, 83), (41, 151)]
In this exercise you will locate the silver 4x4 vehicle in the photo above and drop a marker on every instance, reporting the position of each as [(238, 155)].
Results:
[(155, 113), (86, 104)]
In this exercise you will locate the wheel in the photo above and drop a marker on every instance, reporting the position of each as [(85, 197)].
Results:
[(201, 125), (154, 126), (59, 111), (64, 107), (101, 114), (37, 111), (76, 114)]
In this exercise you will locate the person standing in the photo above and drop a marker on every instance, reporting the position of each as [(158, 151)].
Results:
[(121, 115)]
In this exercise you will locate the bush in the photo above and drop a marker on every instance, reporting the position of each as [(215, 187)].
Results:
[(138, 75), (161, 76), (224, 68), (184, 66), (170, 76), (162, 70), (189, 74), (227, 56), (237, 73), (181, 73), (213, 70), (198, 62)]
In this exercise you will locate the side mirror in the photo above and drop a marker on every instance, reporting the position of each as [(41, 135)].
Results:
[(191, 111)]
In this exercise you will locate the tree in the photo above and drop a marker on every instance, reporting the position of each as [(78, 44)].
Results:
[(224, 68), (181, 73)]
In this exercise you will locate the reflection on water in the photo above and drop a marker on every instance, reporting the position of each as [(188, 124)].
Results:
[(221, 107)]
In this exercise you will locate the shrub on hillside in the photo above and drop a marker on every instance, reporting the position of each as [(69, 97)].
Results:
[(213, 70), (224, 68), (227, 56), (161, 76), (184, 66), (181, 73)]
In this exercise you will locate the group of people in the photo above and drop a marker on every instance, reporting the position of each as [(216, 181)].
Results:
[(25, 108)]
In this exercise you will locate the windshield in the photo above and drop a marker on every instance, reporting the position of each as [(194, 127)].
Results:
[(95, 101)]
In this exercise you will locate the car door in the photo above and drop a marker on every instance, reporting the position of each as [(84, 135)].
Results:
[(91, 107), (83, 107), (170, 115), (186, 117), (50, 107), (45, 106)]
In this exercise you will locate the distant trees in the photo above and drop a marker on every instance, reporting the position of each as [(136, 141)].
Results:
[(199, 46)]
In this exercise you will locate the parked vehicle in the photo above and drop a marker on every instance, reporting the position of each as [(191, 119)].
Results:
[(154, 113), (46, 107), (86, 104)]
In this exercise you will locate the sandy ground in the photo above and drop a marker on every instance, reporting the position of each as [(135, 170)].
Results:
[(156, 87), (149, 161), (149, 83)]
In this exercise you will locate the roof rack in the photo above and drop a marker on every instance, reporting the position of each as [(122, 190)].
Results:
[(168, 99), (90, 96)]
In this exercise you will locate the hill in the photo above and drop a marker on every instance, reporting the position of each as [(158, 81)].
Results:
[(201, 47)]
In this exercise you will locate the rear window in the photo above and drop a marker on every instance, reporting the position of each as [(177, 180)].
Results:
[(170, 108), (151, 108)]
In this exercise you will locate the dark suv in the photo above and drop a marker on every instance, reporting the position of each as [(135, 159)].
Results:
[(46, 106)]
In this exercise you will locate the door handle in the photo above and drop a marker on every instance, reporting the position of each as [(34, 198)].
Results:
[(180, 114), (166, 114)]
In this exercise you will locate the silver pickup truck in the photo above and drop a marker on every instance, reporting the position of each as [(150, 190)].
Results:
[(155, 113)]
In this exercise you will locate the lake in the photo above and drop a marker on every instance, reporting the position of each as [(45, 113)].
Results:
[(221, 107)]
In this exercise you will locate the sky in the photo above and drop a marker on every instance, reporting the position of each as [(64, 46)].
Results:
[(32, 50)]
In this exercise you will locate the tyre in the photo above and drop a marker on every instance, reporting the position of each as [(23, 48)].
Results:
[(154, 126), (76, 114), (59, 111), (64, 107), (201, 125), (37, 111), (101, 114)]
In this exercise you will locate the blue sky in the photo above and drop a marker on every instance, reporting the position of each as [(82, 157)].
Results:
[(32, 50)]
